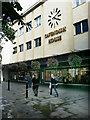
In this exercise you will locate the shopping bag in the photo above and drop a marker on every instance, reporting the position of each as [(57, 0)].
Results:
[(50, 85)]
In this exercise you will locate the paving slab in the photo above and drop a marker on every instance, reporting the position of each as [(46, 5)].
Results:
[(71, 103)]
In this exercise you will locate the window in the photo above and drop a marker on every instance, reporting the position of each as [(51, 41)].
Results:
[(14, 50), (85, 25), (21, 30), (38, 42), (28, 45), (82, 1), (81, 27), (38, 21), (78, 28), (16, 33), (29, 26), (21, 47), (78, 2)]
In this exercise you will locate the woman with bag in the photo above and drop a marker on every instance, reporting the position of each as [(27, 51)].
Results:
[(53, 84)]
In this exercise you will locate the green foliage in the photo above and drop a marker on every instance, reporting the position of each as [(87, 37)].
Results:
[(9, 15), (35, 65), (74, 60), (9, 12), (23, 66), (8, 31), (52, 62)]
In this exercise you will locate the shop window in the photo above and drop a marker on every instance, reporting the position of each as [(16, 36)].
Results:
[(38, 21), (79, 75), (74, 75), (28, 45), (14, 50), (21, 47), (38, 42), (22, 30), (60, 75), (29, 26), (81, 27)]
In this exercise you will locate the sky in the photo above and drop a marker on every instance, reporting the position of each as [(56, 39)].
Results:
[(26, 4)]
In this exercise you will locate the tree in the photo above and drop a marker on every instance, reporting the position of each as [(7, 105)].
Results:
[(9, 15)]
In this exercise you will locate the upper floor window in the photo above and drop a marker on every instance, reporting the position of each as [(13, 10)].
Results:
[(28, 45), (16, 33), (81, 27), (78, 2), (82, 1), (22, 30), (21, 47), (14, 50), (37, 42), (29, 26), (38, 21), (85, 25)]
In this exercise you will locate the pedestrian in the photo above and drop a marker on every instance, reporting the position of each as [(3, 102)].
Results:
[(53, 84), (35, 84), (28, 79), (32, 75)]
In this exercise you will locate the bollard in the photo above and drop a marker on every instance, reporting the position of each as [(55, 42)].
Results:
[(8, 85), (51, 91), (26, 89)]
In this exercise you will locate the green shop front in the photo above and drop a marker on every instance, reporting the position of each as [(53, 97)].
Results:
[(64, 72)]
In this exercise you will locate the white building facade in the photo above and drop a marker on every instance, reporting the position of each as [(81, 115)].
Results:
[(55, 29)]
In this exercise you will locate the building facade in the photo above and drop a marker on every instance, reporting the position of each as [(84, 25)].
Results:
[(55, 29)]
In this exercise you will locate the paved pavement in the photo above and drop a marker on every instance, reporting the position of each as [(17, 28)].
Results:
[(71, 102)]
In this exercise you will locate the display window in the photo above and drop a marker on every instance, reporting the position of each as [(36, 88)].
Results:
[(71, 75)]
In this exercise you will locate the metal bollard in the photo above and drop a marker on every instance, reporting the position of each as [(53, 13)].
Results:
[(26, 89), (8, 85), (51, 91)]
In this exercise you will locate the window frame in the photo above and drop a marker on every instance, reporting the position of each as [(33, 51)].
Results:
[(79, 3), (21, 32), (28, 47), (82, 27), (79, 23), (37, 21), (14, 50), (21, 47), (27, 27), (37, 42)]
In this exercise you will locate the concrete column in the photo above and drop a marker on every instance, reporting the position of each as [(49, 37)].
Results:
[(24, 41), (32, 35), (42, 30)]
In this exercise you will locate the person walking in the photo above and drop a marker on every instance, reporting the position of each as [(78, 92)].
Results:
[(35, 84), (53, 84), (28, 79)]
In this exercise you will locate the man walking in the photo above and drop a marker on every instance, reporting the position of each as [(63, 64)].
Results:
[(35, 84), (28, 79)]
